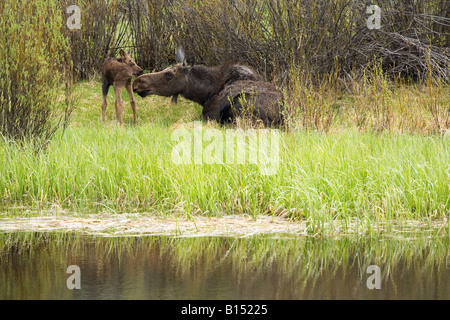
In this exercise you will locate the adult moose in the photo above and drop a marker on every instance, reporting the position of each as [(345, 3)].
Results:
[(225, 91), (118, 72)]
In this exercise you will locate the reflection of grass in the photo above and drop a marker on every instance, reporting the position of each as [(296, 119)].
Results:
[(289, 266)]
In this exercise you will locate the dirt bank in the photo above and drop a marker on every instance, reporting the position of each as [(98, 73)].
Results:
[(141, 225)]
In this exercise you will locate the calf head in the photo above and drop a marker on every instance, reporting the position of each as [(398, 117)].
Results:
[(126, 59)]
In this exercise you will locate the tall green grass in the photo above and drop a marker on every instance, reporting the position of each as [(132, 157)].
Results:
[(322, 178)]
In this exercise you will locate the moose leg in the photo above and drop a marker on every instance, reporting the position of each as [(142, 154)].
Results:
[(119, 105), (212, 110), (133, 101), (105, 89), (104, 104)]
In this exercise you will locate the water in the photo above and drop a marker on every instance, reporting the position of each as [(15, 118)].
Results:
[(34, 266)]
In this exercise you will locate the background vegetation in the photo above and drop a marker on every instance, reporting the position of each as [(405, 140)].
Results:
[(320, 37), (35, 68), (104, 31)]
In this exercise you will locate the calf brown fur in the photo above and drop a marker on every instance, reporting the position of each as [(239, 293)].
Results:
[(118, 72)]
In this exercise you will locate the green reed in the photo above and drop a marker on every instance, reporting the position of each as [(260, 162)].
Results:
[(362, 178)]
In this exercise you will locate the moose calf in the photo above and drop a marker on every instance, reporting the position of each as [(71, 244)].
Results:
[(118, 72)]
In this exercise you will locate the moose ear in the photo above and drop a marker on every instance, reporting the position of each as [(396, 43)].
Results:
[(122, 53), (180, 56)]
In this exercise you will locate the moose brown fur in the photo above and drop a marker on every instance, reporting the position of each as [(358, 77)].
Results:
[(224, 91), (118, 72)]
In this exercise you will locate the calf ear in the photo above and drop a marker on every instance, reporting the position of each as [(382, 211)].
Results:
[(122, 53)]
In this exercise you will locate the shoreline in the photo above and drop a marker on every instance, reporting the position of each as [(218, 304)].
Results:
[(139, 225)]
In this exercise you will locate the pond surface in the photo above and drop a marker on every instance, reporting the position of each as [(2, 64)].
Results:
[(34, 266)]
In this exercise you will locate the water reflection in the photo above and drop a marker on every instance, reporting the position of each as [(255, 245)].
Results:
[(34, 266)]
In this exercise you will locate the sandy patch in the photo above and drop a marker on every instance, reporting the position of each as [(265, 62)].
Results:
[(122, 225), (141, 225)]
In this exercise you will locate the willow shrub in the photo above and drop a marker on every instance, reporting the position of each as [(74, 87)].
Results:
[(317, 36), (103, 31), (34, 71), (152, 28), (321, 37)]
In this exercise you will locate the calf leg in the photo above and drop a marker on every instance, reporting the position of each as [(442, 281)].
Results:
[(119, 105), (133, 101)]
